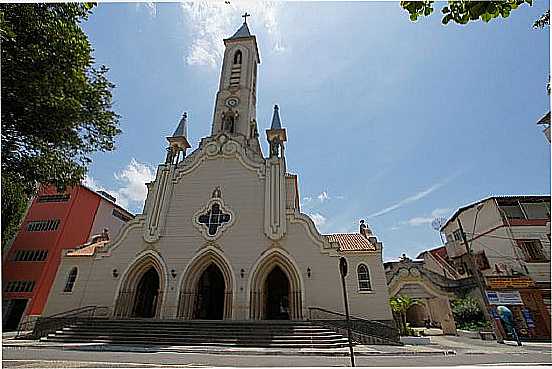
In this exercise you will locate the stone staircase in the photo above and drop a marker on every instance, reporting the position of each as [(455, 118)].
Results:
[(273, 334)]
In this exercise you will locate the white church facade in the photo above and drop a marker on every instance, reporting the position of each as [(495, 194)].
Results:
[(222, 235)]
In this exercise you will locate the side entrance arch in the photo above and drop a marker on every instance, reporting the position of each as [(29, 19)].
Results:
[(275, 289), (141, 292)]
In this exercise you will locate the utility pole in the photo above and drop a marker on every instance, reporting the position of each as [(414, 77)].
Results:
[(482, 286)]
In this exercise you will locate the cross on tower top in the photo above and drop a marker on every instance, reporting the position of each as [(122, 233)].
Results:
[(245, 17)]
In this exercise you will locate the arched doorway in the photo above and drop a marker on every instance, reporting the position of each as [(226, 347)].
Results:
[(275, 290), (147, 293), (277, 295), (210, 294), (142, 288), (208, 269), (417, 315)]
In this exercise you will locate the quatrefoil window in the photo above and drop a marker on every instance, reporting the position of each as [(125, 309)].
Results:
[(214, 218)]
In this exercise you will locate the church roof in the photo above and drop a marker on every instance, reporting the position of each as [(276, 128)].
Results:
[(242, 32), (182, 129), (276, 124), (351, 242)]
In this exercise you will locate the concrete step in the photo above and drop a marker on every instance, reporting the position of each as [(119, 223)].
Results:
[(201, 343), (70, 331), (178, 332)]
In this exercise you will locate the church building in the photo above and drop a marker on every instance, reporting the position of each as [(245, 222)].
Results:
[(222, 235)]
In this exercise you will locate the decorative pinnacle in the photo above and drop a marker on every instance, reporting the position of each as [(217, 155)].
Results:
[(276, 124)]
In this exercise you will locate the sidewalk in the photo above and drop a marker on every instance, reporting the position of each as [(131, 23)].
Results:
[(360, 350), (468, 345)]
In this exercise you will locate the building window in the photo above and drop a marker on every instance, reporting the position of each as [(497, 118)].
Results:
[(71, 278), (536, 210), (19, 286), (54, 198), (30, 255), (214, 218), (482, 261), (363, 278), (238, 57), (533, 250), (449, 238), (43, 225), (118, 214), (457, 235)]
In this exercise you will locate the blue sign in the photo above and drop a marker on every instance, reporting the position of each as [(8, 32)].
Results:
[(528, 317)]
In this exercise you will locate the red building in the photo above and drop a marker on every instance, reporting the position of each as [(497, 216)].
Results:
[(55, 221)]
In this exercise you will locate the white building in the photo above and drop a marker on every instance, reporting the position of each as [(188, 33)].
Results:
[(510, 241), (222, 235)]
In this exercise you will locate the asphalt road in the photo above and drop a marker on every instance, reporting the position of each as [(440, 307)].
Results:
[(58, 358)]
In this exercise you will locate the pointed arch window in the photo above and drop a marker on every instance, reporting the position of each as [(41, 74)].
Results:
[(363, 278), (238, 57), (71, 278)]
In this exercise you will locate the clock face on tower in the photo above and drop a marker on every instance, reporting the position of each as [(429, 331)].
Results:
[(232, 102)]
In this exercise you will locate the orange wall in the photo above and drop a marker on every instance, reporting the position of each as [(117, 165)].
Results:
[(76, 219)]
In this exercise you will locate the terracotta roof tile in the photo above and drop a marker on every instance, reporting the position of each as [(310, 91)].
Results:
[(351, 242), (87, 249)]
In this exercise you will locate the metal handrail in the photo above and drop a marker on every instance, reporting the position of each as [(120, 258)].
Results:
[(41, 326), (359, 326)]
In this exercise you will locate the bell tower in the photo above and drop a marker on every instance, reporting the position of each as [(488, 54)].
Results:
[(235, 105)]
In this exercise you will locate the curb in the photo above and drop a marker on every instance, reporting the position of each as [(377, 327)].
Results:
[(219, 351)]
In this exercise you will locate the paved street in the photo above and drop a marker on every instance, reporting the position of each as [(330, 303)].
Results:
[(468, 352)]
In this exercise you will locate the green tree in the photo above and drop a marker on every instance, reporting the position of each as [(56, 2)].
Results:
[(399, 306), (468, 314), (56, 104), (14, 202), (464, 11)]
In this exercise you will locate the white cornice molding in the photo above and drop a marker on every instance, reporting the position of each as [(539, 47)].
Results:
[(219, 146), (312, 232)]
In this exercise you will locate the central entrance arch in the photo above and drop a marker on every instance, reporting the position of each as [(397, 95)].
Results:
[(210, 294), (147, 293), (277, 295), (206, 287)]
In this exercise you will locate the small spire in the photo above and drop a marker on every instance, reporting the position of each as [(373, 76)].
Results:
[(276, 124), (182, 129)]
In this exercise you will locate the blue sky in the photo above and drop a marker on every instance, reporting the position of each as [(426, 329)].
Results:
[(387, 120)]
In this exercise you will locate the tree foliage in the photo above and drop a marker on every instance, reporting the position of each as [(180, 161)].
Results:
[(56, 104), (14, 202), (462, 12), (468, 314), (543, 21), (399, 306)]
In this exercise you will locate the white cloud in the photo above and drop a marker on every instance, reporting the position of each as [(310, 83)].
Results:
[(150, 6), (318, 219), (416, 221), (418, 196), (212, 21), (132, 180), (421, 220), (323, 196)]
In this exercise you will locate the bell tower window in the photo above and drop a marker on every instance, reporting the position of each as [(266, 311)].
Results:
[(235, 72), (238, 57)]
